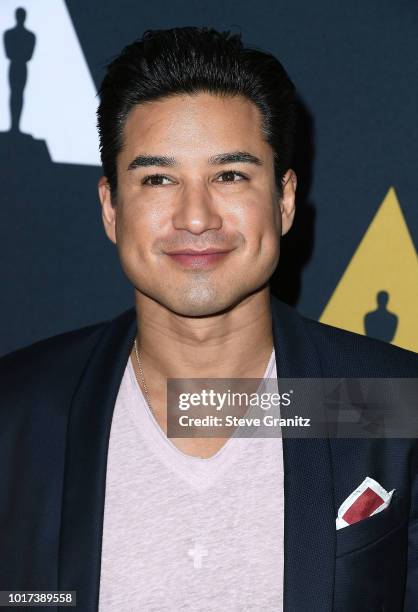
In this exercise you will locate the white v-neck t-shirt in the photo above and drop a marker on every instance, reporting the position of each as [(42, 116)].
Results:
[(183, 533)]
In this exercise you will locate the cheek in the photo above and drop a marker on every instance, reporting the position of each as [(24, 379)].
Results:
[(261, 228), (125, 231), (134, 243), (136, 226)]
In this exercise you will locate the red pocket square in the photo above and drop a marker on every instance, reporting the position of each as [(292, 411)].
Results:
[(368, 499)]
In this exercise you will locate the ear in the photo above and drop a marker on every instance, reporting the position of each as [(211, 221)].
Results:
[(287, 203), (108, 209)]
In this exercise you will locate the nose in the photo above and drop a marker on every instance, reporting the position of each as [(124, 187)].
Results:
[(196, 210)]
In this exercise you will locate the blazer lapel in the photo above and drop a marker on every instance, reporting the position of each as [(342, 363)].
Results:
[(86, 460), (309, 509), (309, 504)]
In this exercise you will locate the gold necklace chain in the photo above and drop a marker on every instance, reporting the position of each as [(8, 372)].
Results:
[(142, 377)]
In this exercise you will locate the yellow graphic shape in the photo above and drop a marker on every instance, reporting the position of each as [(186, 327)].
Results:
[(385, 260)]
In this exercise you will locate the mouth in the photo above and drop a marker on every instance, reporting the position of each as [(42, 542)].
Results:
[(190, 258)]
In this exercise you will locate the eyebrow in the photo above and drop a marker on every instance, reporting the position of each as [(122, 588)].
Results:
[(143, 161)]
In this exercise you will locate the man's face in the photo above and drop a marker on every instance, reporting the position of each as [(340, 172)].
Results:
[(212, 188)]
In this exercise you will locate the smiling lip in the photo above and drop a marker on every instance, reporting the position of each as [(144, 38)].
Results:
[(190, 258)]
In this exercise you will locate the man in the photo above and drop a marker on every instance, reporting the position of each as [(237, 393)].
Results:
[(196, 142)]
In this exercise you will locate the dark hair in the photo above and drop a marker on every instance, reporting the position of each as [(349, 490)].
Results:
[(189, 60)]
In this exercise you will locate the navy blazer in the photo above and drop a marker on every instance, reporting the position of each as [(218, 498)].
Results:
[(57, 401)]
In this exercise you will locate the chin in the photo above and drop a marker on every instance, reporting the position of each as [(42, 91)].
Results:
[(198, 310), (191, 306)]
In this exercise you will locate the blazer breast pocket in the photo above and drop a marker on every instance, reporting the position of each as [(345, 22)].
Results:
[(375, 527)]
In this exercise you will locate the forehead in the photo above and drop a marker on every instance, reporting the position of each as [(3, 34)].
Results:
[(194, 125)]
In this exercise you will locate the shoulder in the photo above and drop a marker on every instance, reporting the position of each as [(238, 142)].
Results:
[(340, 353), (359, 355), (56, 361), (38, 381), (54, 345)]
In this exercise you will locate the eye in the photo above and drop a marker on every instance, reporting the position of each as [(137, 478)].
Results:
[(154, 180), (229, 177)]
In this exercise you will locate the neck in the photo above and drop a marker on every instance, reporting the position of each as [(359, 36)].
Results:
[(232, 344)]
